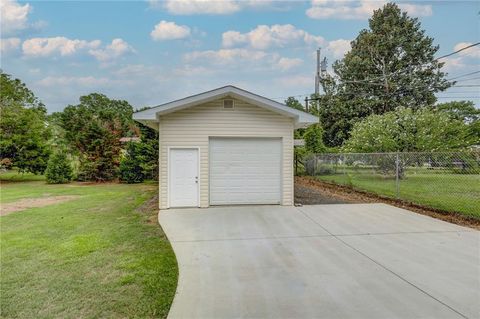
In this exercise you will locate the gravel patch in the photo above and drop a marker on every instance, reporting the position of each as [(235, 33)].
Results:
[(308, 195)]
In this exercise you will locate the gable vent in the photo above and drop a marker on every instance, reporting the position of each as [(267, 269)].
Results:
[(228, 104)]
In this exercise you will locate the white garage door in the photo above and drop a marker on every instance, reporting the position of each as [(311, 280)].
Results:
[(245, 171)]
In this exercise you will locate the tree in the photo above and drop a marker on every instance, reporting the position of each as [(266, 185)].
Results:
[(390, 65), (406, 130), (24, 133), (59, 169), (460, 110), (466, 112), (131, 170), (314, 139), (93, 129), (294, 103)]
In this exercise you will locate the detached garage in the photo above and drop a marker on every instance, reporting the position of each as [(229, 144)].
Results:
[(225, 147)]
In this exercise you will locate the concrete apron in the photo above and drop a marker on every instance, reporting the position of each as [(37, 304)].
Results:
[(322, 261)]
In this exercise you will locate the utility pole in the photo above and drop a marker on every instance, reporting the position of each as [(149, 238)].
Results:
[(320, 73), (317, 74), (323, 68)]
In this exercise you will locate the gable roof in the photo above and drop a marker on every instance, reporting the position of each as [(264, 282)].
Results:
[(150, 116)]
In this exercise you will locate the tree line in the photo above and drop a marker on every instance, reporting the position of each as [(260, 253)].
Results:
[(380, 98), (381, 95), (82, 142)]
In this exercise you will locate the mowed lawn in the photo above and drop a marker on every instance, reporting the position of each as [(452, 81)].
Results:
[(100, 255), (450, 192)]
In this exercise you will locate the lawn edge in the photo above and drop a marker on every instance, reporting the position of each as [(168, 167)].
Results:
[(347, 192)]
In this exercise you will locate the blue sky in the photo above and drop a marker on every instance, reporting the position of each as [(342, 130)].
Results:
[(152, 52)]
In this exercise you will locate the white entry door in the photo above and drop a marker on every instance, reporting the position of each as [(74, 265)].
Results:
[(245, 171), (183, 184)]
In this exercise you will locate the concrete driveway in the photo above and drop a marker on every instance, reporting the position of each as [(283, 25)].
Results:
[(322, 261)]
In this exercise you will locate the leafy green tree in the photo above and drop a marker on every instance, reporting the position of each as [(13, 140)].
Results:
[(460, 110), (390, 65), (294, 103), (466, 112), (59, 170), (314, 139), (93, 129), (139, 162), (406, 130), (24, 133), (131, 170)]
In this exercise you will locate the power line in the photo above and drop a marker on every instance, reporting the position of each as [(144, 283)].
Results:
[(476, 78), (459, 50), (457, 92), (463, 75), (368, 81), (458, 97)]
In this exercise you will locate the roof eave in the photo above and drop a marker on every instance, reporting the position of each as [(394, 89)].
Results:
[(302, 119)]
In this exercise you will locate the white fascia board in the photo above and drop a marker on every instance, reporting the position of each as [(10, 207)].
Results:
[(302, 119)]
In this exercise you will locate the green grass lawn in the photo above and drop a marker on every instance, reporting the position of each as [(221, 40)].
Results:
[(450, 192), (101, 255)]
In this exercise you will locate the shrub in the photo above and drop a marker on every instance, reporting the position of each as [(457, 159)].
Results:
[(59, 170), (314, 139), (133, 168)]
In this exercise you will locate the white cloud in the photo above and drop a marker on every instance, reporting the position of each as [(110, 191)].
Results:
[(189, 7), (339, 47), (48, 47), (295, 81), (453, 64), (117, 48), (225, 56), (363, 9), (9, 44), (169, 31), (14, 16), (238, 58), (264, 37), (416, 10), (43, 47), (288, 63), (87, 81), (473, 52), (217, 7)]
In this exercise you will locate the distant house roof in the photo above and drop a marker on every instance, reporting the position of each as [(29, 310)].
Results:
[(150, 116), (130, 139)]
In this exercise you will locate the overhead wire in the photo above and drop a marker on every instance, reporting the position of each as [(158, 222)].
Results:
[(463, 75), (368, 81)]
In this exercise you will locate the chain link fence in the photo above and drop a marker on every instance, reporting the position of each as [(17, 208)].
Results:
[(445, 181)]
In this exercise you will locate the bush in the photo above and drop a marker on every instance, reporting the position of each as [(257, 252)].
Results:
[(130, 171), (133, 166), (314, 139), (99, 170), (59, 169)]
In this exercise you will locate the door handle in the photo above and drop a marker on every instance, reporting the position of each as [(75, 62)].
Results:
[(196, 179)]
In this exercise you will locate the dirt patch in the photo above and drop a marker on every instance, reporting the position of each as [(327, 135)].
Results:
[(308, 195), (26, 203), (149, 209), (348, 194)]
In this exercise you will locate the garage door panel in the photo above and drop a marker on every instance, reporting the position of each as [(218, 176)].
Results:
[(245, 171)]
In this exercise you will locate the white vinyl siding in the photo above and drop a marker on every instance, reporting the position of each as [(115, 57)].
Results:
[(194, 126)]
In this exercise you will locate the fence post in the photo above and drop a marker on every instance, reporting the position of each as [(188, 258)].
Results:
[(397, 176)]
